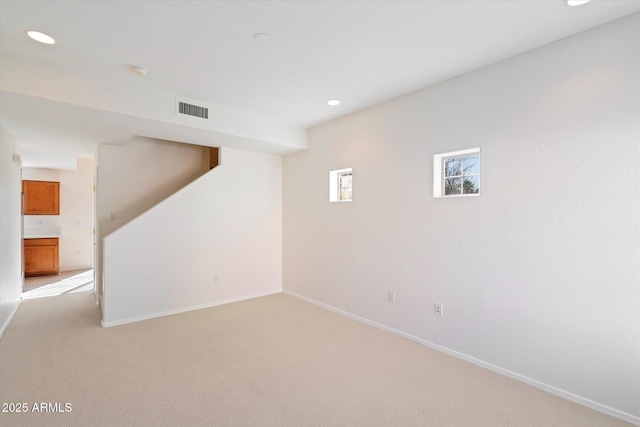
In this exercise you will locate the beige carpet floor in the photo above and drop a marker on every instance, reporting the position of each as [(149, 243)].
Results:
[(271, 361)]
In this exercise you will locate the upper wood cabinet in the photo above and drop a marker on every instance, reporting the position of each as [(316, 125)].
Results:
[(41, 197)]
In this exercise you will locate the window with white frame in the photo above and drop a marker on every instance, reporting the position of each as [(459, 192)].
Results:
[(341, 185), (457, 173)]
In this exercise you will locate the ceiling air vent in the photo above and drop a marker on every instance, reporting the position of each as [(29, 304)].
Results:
[(191, 109)]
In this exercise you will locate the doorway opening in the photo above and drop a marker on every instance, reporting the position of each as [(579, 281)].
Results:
[(59, 246)]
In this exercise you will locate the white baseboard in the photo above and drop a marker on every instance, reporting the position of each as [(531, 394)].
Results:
[(182, 310), (11, 308), (546, 387)]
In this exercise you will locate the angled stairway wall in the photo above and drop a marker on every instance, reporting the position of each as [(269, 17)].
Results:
[(134, 177), (131, 178), (218, 239)]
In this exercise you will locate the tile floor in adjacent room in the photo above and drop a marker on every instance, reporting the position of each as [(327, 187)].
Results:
[(67, 282)]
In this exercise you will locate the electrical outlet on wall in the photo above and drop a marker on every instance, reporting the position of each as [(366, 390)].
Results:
[(392, 296), (437, 309)]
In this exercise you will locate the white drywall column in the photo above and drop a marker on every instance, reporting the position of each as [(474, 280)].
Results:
[(10, 229)]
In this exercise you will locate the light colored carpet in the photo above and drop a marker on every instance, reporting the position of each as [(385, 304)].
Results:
[(271, 361)]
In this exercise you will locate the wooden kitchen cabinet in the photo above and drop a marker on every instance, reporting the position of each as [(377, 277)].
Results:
[(40, 257), (41, 197)]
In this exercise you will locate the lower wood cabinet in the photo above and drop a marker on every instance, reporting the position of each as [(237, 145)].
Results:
[(40, 257)]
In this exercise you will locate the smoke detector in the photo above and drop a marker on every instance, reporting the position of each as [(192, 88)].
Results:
[(140, 71), (262, 38)]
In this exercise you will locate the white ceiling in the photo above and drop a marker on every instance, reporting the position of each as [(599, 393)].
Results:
[(60, 100)]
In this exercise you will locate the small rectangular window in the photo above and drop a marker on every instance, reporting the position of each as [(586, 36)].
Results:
[(341, 185), (461, 175), (344, 186), (457, 173)]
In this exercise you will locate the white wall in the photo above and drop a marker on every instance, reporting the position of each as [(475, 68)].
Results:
[(226, 224), (134, 177), (10, 229), (539, 276), (76, 212)]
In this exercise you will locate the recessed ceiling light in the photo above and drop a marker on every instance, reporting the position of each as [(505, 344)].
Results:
[(577, 2), (333, 102), (41, 37)]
